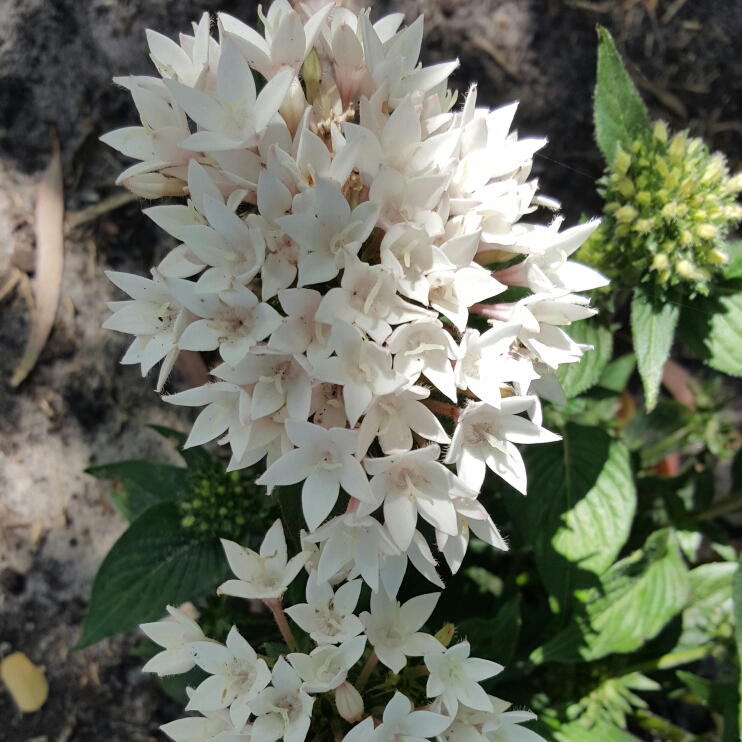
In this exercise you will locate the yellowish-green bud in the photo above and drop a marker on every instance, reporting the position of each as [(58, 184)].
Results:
[(717, 257), (712, 171), (644, 198), (660, 261), (675, 150), (685, 268), (311, 73), (669, 211), (622, 230), (644, 226), (660, 132), (626, 214), (686, 237), (661, 166), (626, 187), (641, 182), (707, 231), (445, 635), (637, 145), (671, 181), (612, 206), (623, 162), (734, 185)]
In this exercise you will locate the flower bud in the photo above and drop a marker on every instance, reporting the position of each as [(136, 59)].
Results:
[(684, 268), (717, 257), (445, 634), (293, 106), (660, 132), (154, 185), (625, 187), (311, 73), (659, 262), (675, 150), (349, 702), (627, 214), (734, 185), (644, 226), (706, 231), (623, 163)]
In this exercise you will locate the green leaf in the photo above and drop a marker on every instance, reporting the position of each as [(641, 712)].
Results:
[(616, 374), (666, 429), (620, 114), (653, 328), (579, 509), (604, 732), (193, 457), (733, 269), (637, 597), (142, 484), (721, 698), (712, 328), (289, 498), (708, 609), (494, 638), (579, 377), (737, 598), (154, 564)]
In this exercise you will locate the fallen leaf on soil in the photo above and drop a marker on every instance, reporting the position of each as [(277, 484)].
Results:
[(26, 683), (49, 228)]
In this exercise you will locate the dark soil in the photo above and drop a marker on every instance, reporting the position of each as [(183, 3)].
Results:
[(80, 406)]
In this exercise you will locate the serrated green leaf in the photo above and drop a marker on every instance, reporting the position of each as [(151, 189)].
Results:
[(142, 484), (637, 597), (154, 564), (617, 373), (579, 509), (733, 269), (193, 457), (708, 607), (653, 330), (712, 328), (620, 114), (494, 638), (576, 732), (579, 377)]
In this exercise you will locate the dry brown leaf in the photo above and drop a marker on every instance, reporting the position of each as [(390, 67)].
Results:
[(26, 683), (49, 229)]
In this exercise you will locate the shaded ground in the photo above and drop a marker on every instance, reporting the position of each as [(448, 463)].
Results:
[(80, 406)]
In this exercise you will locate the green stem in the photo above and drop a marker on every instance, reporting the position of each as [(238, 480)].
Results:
[(727, 505), (368, 668), (274, 604)]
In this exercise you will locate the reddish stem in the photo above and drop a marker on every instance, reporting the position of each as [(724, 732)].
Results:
[(274, 605)]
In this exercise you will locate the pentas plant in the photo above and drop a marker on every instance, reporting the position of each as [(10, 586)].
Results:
[(337, 250)]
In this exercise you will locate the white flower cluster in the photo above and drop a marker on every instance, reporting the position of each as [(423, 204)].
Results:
[(277, 702), (333, 250)]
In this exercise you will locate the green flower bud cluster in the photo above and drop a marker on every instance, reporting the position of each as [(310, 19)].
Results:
[(227, 504), (669, 206)]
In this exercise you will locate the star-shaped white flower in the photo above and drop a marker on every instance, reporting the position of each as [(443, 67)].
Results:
[(486, 436), (328, 616), (174, 635), (393, 629), (265, 575), (324, 460), (327, 666), (298, 328), (402, 724), (411, 483), (237, 676), (284, 709), (456, 676), (213, 726)]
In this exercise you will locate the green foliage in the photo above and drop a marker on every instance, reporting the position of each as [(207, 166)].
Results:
[(637, 597), (154, 564), (581, 494), (579, 377), (620, 114), (737, 598), (576, 732), (495, 638), (653, 330)]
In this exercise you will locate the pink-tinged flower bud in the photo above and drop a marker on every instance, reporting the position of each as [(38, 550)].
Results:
[(293, 106), (154, 185), (349, 702)]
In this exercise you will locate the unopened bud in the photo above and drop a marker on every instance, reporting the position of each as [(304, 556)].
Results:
[(293, 106), (685, 268), (659, 262), (154, 185), (643, 226), (644, 198), (349, 702), (626, 187), (311, 73), (669, 211), (706, 231), (660, 164), (734, 185), (660, 132), (623, 163), (675, 150), (445, 634), (627, 214), (717, 257)]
